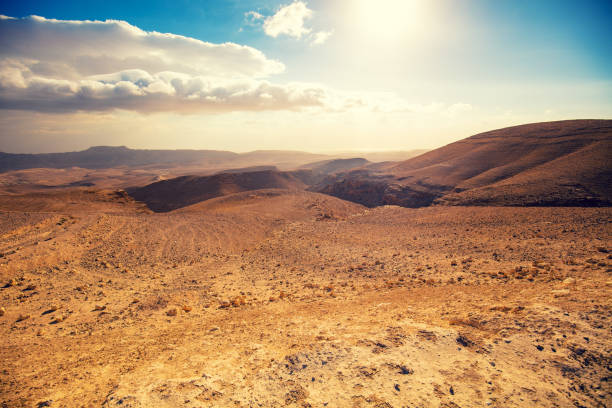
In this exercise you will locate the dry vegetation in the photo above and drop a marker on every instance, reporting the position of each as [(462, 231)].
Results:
[(275, 298)]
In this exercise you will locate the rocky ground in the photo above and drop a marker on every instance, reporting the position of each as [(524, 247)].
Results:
[(275, 298)]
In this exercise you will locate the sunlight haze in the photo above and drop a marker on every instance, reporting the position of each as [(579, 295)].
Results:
[(304, 75)]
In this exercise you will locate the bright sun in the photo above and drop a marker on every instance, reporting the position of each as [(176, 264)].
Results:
[(385, 21)]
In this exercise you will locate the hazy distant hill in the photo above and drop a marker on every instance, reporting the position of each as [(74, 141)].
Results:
[(551, 163), (383, 156), (335, 165), (283, 159), (105, 157), (101, 157)]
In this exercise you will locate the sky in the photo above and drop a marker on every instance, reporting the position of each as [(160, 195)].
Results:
[(315, 75)]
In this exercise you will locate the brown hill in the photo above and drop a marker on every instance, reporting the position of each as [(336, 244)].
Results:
[(336, 165), (291, 205), (104, 157), (168, 195), (551, 163)]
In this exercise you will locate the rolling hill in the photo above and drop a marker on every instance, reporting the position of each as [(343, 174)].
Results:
[(565, 163), (335, 165), (168, 195), (102, 157)]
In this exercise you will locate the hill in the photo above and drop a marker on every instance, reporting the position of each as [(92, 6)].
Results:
[(168, 195), (380, 156), (102, 157), (335, 165), (565, 163)]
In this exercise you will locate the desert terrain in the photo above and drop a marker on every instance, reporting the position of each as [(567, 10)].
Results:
[(249, 289), (562, 163)]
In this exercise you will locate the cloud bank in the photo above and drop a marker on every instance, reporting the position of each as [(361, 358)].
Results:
[(59, 65), (49, 65)]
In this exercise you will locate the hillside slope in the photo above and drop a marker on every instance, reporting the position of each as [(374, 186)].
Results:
[(168, 195), (552, 163), (336, 165)]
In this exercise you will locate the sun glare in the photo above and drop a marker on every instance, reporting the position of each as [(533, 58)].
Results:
[(390, 21)]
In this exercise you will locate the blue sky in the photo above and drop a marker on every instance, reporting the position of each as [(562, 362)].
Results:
[(562, 29), (421, 73)]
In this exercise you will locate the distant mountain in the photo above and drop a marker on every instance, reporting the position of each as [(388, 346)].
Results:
[(105, 157), (101, 157), (382, 156), (565, 163), (248, 169)]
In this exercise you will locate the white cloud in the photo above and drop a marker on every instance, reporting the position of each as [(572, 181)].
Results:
[(289, 20), (66, 66), (252, 18), (59, 65), (321, 37), (139, 90), (95, 47)]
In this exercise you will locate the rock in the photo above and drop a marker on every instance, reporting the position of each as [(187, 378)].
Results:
[(569, 281), (58, 319), (2, 311), (560, 292), (186, 308), (98, 308), (171, 312), (23, 317), (238, 301), (296, 395), (464, 341), (405, 370)]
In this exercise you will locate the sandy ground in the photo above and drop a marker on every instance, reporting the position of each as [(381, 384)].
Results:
[(278, 299)]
